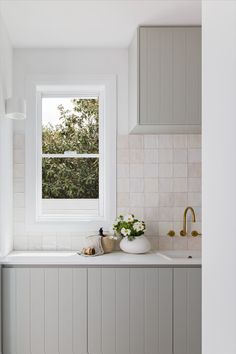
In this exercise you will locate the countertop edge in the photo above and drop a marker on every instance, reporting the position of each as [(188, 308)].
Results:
[(127, 265), (112, 260)]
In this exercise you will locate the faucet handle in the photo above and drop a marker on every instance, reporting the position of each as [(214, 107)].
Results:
[(171, 233), (195, 233), (183, 233)]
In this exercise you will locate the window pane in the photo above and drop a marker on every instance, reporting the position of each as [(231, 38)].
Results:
[(70, 124), (70, 178)]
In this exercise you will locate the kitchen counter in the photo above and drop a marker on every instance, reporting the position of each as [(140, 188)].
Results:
[(115, 259), (59, 301)]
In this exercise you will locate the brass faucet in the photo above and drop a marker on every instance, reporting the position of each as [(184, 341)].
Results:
[(184, 231)]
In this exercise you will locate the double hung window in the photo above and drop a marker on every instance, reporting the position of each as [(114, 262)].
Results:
[(70, 154)]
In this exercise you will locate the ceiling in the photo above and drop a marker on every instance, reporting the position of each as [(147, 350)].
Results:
[(90, 23)]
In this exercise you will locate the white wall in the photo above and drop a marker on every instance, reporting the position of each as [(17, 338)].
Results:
[(140, 159), (75, 61), (219, 177), (6, 155), (54, 63), (157, 176)]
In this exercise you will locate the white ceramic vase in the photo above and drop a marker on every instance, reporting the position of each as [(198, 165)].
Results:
[(139, 244)]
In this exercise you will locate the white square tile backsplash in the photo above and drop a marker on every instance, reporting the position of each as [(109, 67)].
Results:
[(194, 155), (165, 170), (165, 141), (165, 177), (180, 141), (180, 170), (157, 177), (150, 142), (136, 185), (165, 155)]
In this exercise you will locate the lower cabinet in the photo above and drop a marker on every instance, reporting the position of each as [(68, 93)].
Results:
[(187, 311), (130, 311), (44, 311), (101, 310)]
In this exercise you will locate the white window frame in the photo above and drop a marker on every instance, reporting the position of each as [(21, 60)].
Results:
[(81, 206), (105, 86)]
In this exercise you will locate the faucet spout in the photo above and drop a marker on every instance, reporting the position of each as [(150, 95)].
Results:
[(184, 231)]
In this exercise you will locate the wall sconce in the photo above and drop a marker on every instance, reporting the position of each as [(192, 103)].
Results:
[(15, 108)]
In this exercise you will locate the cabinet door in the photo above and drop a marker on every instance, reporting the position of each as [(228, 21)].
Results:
[(44, 311), (187, 311), (170, 76), (130, 311), (0, 307)]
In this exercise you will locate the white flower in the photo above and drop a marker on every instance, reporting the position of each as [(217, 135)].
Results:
[(116, 222), (138, 226), (125, 232), (128, 218)]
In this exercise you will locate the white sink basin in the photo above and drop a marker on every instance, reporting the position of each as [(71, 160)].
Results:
[(185, 254)]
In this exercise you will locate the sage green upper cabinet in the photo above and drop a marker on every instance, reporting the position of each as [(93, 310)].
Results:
[(165, 80)]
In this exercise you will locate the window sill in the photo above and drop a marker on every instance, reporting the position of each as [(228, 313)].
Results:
[(69, 218)]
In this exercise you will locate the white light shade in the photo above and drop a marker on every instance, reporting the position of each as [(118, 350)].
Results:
[(15, 108)]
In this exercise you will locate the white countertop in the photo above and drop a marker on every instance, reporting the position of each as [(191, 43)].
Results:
[(163, 258)]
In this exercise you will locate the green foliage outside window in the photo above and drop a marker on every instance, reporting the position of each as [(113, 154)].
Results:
[(78, 131)]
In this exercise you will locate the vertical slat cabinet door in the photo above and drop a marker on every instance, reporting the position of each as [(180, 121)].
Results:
[(102, 311), (193, 75), (108, 311), (165, 310), (166, 77), (195, 319), (137, 310), (150, 75), (170, 76), (108, 303), (122, 310), (37, 314), (23, 310), (187, 311), (51, 311), (9, 311), (155, 75), (180, 311), (129, 311), (179, 76), (158, 311), (72, 311), (80, 320), (65, 311), (94, 311), (0, 308), (143, 75), (151, 311), (133, 81)]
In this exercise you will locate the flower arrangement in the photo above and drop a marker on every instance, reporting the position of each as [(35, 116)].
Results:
[(128, 226)]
